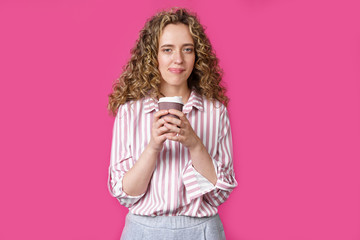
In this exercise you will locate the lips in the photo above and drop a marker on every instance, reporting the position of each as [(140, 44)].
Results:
[(176, 70)]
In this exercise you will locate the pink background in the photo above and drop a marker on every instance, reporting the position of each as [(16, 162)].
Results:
[(292, 69)]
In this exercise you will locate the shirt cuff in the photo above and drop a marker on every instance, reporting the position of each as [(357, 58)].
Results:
[(196, 184), (118, 192)]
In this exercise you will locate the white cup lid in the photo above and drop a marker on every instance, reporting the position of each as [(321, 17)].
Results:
[(176, 99)]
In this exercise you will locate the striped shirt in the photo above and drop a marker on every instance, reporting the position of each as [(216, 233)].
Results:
[(175, 188)]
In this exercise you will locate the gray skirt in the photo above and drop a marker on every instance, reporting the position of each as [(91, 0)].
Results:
[(172, 228)]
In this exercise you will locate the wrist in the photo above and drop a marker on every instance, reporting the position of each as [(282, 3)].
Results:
[(197, 146), (153, 148)]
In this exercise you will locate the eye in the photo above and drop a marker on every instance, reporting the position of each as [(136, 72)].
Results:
[(188, 50), (166, 50)]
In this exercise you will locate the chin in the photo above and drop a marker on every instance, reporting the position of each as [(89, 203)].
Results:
[(176, 82)]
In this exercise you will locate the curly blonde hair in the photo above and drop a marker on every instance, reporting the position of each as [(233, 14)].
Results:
[(141, 76)]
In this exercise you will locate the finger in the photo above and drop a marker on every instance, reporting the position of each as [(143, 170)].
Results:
[(179, 123), (159, 123), (181, 115), (162, 138), (173, 120), (162, 131), (172, 128), (171, 136), (160, 113)]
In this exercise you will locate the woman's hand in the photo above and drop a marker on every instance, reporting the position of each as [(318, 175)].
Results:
[(158, 131), (181, 130)]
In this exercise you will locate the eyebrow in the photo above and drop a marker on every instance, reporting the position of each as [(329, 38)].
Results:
[(171, 45)]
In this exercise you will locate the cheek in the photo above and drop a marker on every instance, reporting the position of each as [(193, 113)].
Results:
[(191, 61), (162, 62)]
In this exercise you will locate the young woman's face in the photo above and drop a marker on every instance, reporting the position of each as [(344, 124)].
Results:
[(176, 55)]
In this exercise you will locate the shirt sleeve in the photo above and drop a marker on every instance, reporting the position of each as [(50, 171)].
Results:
[(197, 185), (121, 160)]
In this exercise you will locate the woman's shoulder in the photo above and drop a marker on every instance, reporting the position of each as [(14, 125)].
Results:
[(214, 104), (131, 105)]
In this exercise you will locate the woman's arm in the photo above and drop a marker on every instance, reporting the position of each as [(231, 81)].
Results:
[(217, 170), (128, 190), (201, 159), (136, 180)]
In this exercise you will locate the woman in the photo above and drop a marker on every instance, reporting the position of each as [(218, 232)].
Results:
[(172, 173)]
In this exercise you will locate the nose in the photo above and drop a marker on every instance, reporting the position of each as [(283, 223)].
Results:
[(178, 57)]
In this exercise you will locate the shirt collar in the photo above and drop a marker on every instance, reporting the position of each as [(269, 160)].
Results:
[(195, 100)]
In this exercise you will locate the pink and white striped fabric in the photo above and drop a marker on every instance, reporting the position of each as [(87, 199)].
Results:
[(176, 188)]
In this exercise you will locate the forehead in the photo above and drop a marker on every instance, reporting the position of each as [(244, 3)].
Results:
[(176, 34)]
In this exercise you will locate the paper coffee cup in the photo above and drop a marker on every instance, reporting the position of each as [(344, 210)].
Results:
[(166, 103)]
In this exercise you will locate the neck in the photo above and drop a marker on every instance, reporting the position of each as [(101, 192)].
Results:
[(176, 91)]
